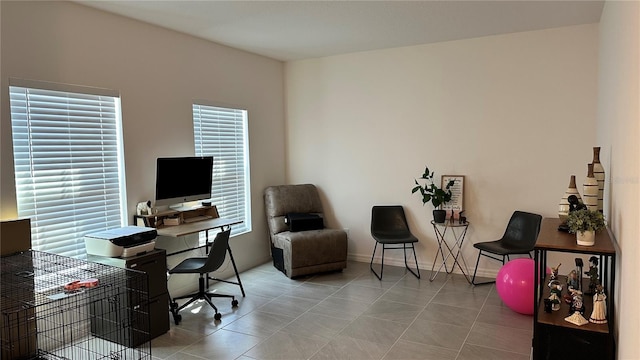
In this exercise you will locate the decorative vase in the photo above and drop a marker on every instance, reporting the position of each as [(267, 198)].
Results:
[(590, 190), (439, 216), (598, 173), (586, 238), (563, 208)]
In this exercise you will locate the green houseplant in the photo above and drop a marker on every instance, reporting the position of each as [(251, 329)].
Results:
[(430, 192), (584, 223)]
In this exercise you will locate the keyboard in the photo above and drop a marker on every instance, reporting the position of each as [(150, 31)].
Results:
[(197, 218)]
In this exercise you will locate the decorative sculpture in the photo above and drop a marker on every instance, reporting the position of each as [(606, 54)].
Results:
[(556, 293), (599, 313), (593, 275), (572, 281)]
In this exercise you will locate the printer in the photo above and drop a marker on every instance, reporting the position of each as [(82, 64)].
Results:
[(121, 242)]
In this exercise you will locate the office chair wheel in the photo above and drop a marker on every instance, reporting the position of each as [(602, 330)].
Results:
[(177, 318), (234, 303), (217, 316)]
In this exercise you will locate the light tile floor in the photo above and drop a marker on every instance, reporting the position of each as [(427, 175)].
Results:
[(350, 315)]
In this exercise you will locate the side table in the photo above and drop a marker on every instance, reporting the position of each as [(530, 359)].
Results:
[(453, 246)]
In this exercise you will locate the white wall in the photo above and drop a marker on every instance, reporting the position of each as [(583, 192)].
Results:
[(515, 114), (619, 131), (158, 73)]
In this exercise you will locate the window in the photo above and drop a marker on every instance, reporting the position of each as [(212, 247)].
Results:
[(68, 163), (222, 133)]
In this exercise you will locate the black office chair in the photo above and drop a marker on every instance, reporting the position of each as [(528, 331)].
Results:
[(389, 227), (519, 238), (203, 266)]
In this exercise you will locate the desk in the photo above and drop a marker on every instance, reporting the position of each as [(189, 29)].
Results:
[(197, 227), (458, 231)]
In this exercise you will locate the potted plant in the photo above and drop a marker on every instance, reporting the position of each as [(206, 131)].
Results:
[(435, 195), (584, 223)]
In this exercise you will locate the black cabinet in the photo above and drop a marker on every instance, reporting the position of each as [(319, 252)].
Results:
[(149, 317), (553, 337)]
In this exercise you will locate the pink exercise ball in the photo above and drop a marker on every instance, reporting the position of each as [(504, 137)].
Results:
[(515, 285)]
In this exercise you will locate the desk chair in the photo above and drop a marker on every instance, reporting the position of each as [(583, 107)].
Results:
[(389, 227), (519, 238), (202, 266)]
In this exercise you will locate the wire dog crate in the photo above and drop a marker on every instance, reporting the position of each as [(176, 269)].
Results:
[(56, 307)]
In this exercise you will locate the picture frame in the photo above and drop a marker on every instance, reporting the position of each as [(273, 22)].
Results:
[(457, 192)]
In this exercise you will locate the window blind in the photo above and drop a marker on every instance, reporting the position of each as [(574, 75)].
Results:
[(222, 133), (67, 159)]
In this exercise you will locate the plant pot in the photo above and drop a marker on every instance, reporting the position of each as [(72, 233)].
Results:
[(586, 238), (439, 216)]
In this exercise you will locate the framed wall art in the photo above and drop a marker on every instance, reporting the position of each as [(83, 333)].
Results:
[(457, 192)]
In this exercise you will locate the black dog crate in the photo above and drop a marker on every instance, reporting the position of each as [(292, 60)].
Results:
[(45, 314)]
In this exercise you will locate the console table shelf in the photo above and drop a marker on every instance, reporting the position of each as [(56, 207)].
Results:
[(553, 337)]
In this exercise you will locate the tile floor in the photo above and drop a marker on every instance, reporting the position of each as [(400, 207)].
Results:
[(350, 315)]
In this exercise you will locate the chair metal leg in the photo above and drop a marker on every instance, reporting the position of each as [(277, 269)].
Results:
[(473, 280), (406, 264), (415, 258), (381, 265)]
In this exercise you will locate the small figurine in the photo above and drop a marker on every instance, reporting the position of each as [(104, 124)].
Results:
[(599, 313), (575, 204), (547, 306), (577, 304), (554, 272), (579, 266), (577, 319), (462, 219), (556, 293), (572, 281), (593, 275)]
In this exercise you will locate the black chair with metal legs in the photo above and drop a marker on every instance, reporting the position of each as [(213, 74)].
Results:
[(519, 239), (203, 266), (389, 227)]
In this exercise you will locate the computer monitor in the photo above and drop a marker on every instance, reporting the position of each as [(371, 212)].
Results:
[(183, 179)]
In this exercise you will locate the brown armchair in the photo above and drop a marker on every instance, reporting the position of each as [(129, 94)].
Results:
[(297, 253)]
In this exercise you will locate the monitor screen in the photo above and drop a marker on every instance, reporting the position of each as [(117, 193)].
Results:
[(183, 179)]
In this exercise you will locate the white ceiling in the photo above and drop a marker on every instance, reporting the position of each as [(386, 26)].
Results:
[(294, 30)]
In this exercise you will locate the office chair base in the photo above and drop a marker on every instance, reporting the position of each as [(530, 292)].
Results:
[(200, 295)]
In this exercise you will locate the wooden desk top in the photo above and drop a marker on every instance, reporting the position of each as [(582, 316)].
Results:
[(551, 239), (196, 227)]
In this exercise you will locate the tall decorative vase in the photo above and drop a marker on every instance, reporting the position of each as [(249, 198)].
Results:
[(563, 208), (598, 172), (590, 190)]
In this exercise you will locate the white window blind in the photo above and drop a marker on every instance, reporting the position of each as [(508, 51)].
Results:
[(68, 165), (222, 133)]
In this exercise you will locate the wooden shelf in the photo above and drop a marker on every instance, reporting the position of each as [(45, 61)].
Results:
[(158, 220), (556, 318)]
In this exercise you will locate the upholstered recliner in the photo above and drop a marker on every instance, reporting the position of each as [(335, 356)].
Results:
[(304, 252)]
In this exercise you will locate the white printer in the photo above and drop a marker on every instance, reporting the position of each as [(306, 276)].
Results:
[(121, 242)]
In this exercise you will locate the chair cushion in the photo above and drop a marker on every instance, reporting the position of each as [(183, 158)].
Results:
[(312, 247), (499, 247), (394, 237), (189, 266)]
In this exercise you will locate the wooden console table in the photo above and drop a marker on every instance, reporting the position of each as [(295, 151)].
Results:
[(553, 337)]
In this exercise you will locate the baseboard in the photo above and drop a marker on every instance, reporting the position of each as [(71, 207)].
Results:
[(388, 260)]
